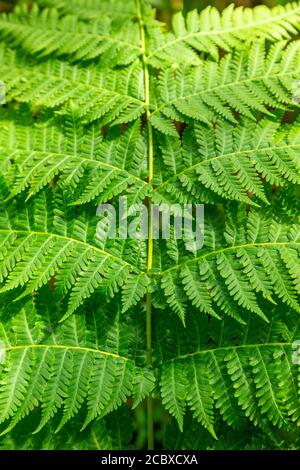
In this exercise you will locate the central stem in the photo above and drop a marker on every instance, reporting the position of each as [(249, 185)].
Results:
[(150, 433)]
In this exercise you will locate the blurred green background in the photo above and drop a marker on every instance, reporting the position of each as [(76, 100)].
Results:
[(174, 5), (169, 6)]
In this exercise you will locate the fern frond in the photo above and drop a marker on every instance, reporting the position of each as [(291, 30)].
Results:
[(107, 433), (245, 82), (234, 275), (232, 161), (134, 290), (45, 33), (38, 248), (211, 30), (91, 9), (247, 438), (87, 168), (255, 378), (109, 116), (60, 372), (99, 93)]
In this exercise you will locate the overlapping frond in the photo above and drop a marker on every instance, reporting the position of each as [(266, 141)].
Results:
[(59, 369), (253, 261), (211, 30), (248, 438), (114, 96), (36, 153), (45, 33), (237, 376), (47, 239), (111, 432), (231, 161), (91, 9), (244, 83)]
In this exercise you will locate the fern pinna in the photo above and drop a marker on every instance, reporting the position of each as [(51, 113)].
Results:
[(102, 103)]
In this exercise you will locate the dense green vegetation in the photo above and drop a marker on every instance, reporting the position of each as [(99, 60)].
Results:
[(112, 343)]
